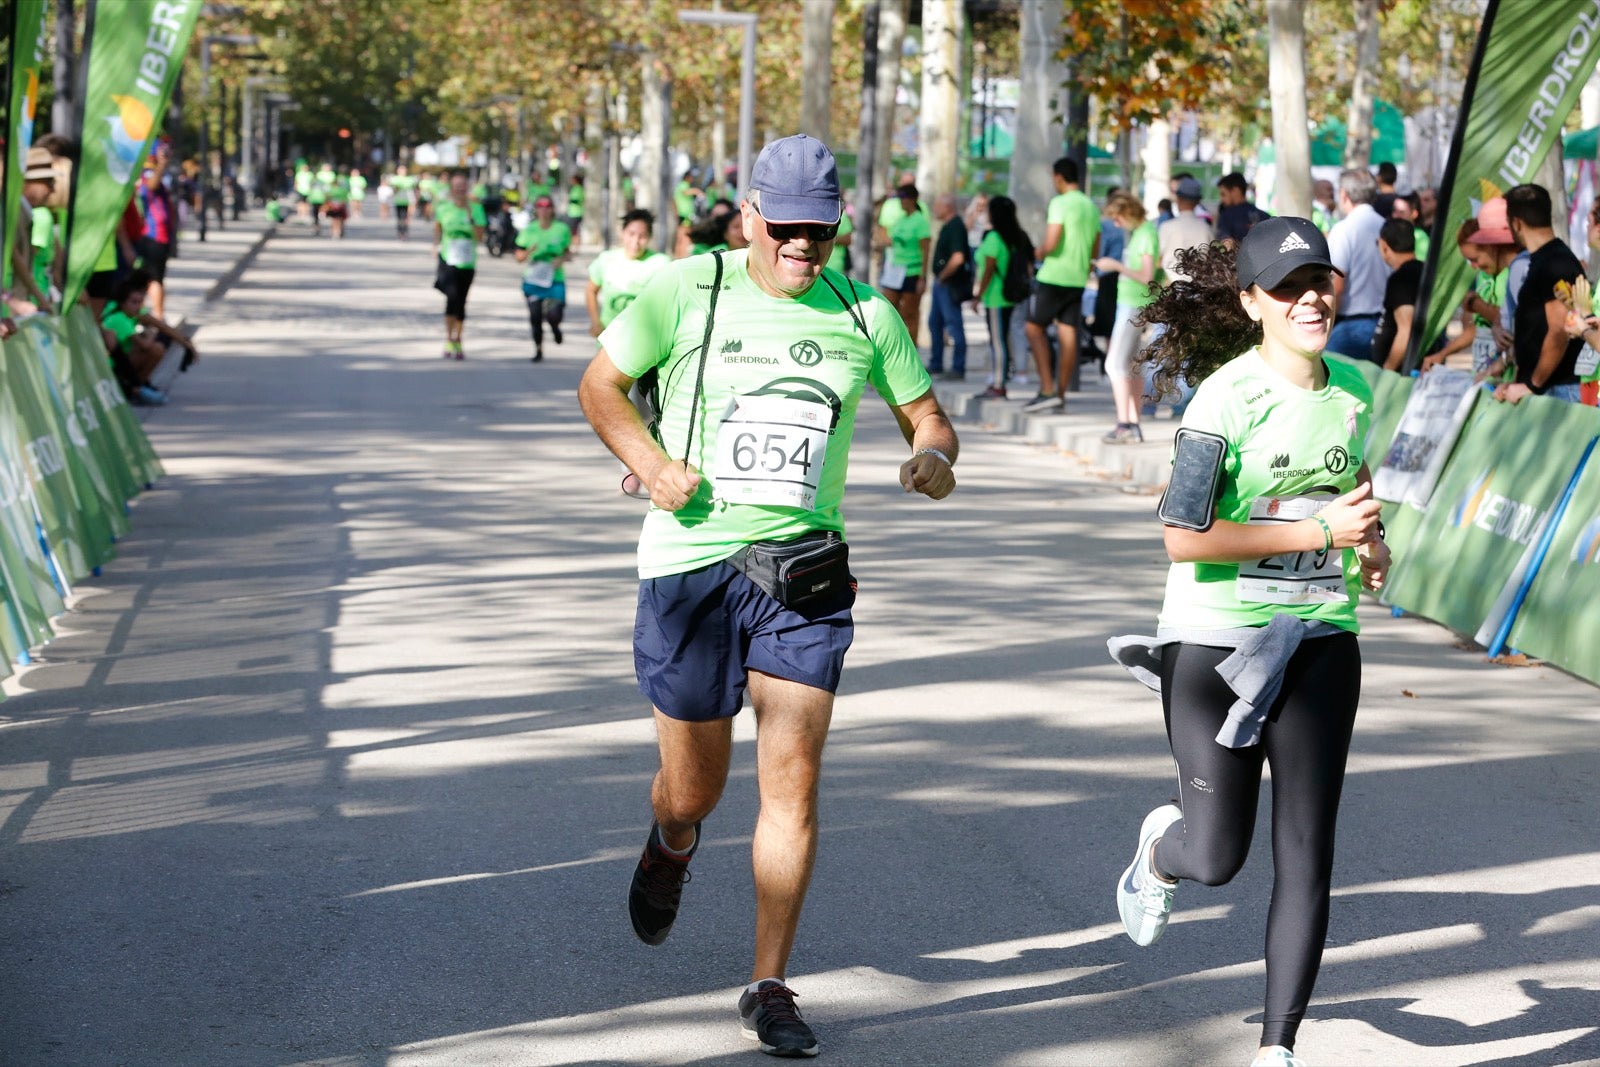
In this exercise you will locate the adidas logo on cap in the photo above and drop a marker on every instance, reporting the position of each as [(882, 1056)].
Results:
[(1292, 243)]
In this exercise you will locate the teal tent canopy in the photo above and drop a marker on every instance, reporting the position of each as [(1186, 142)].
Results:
[(1585, 144)]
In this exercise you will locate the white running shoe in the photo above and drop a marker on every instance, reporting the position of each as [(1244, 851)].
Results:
[(1276, 1056), (1145, 900)]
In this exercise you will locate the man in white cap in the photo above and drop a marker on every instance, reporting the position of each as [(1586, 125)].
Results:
[(38, 183), (757, 359)]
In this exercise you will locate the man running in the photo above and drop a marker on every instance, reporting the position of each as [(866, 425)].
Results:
[(760, 357)]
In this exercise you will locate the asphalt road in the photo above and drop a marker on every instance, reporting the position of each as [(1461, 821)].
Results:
[(341, 763)]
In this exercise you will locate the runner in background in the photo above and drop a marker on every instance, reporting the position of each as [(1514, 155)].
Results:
[(338, 207), (358, 191), (543, 245), (317, 197), (619, 274), (304, 177), (1255, 655), (575, 195), (458, 228), (405, 188)]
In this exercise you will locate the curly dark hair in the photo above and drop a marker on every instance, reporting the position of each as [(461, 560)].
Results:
[(1205, 325)]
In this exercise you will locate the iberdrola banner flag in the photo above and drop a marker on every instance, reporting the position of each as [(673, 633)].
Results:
[(134, 51), (1531, 62), (28, 50)]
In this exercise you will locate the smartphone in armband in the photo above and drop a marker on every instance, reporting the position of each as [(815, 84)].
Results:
[(1190, 500)]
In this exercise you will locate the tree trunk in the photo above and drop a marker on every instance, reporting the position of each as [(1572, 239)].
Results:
[(1157, 165), (1358, 143), (891, 40), (939, 125), (1038, 129), (63, 112), (652, 188), (1291, 138), (816, 61), (866, 148)]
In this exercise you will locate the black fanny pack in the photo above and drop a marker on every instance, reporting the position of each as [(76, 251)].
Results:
[(807, 572)]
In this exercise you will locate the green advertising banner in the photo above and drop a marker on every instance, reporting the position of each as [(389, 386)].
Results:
[(1531, 62), (29, 47), (1389, 396), (32, 599), (44, 452), (134, 51), (1507, 472), (115, 415), (1558, 621), (101, 491)]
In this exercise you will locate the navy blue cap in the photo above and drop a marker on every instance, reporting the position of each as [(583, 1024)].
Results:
[(798, 181)]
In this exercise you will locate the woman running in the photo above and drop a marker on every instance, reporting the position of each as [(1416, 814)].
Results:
[(543, 245), (617, 275), (458, 225), (1136, 275), (1256, 656), (1005, 239)]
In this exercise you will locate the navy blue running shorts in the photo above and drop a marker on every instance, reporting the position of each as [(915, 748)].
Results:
[(696, 635)]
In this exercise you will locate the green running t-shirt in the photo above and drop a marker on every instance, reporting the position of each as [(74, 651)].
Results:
[(993, 247), (458, 244), (1142, 242), (544, 244), (766, 354), (575, 202), (121, 325), (1283, 442), (621, 279), (402, 184), (43, 232), (1079, 219), (841, 243), (906, 237)]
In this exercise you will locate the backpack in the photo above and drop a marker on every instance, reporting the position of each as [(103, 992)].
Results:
[(1017, 284)]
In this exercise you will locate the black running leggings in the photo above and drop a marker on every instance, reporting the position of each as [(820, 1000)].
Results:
[(542, 310), (1306, 741)]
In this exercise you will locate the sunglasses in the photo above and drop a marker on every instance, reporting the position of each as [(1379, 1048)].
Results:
[(811, 231)]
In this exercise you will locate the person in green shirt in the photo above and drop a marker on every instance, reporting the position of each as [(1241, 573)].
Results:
[(458, 226), (137, 341), (618, 275), (1136, 280), (839, 258), (338, 207), (1071, 242), (1256, 655), (908, 233), (404, 185), (575, 195), (44, 248), (1005, 241), (304, 177), (683, 198), (317, 197), (358, 191), (722, 230), (758, 399), (543, 245)]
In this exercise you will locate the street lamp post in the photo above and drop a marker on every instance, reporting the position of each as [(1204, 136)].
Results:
[(747, 78)]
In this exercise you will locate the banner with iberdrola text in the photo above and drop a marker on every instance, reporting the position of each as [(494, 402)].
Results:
[(1507, 472), (129, 441), (29, 44), (134, 51), (1532, 60), (1558, 621)]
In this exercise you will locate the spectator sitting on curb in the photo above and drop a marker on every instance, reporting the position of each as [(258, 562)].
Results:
[(139, 348)]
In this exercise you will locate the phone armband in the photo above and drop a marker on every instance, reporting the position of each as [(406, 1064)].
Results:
[(1190, 499)]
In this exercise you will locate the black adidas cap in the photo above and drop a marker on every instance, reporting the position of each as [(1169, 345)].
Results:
[(1276, 247)]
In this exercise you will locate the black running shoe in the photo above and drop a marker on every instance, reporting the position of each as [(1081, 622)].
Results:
[(769, 1016), (555, 332), (658, 883), (538, 355)]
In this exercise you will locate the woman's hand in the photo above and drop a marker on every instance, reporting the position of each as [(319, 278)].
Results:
[(1353, 518), (1374, 558)]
